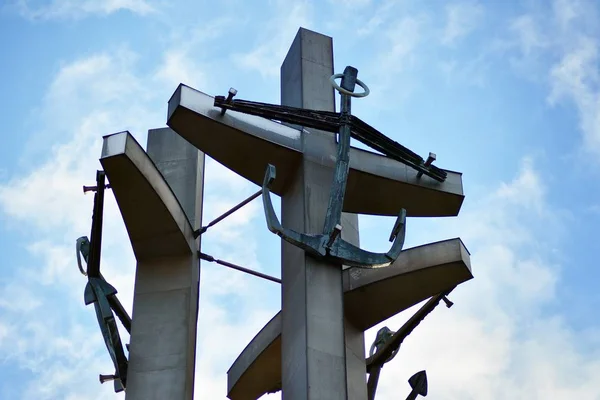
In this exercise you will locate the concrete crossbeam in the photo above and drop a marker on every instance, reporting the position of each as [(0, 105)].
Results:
[(370, 297), (377, 185)]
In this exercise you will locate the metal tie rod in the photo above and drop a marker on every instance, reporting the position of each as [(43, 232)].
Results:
[(210, 258), (220, 218)]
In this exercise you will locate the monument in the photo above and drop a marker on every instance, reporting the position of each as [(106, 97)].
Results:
[(332, 290)]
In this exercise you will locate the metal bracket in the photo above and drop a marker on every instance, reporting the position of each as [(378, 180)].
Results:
[(230, 95), (432, 157)]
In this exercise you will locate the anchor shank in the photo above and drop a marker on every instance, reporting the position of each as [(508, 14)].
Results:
[(93, 262), (340, 178), (342, 166)]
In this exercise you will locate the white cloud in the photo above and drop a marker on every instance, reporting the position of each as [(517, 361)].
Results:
[(575, 78), (526, 29), (178, 68), (186, 60), (378, 18), (278, 32), (76, 9), (498, 341), (52, 334), (398, 56), (564, 42), (461, 20)]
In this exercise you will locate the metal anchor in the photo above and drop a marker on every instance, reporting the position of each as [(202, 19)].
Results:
[(102, 294), (330, 243)]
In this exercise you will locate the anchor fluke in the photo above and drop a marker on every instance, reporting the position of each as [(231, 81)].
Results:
[(331, 245), (418, 383)]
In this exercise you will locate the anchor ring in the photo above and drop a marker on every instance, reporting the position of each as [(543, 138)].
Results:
[(349, 93)]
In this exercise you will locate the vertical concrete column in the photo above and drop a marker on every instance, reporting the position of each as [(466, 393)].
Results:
[(314, 359), (165, 310), (182, 166)]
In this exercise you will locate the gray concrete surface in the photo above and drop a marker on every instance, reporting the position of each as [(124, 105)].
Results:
[(321, 344), (313, 339), (182, 166), (165, 304), (227, 139), (370, 297)]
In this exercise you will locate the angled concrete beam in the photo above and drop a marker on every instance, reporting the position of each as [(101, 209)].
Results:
[(377, 185), (374, 295), (370, 297), (155, 221), (163, 331)]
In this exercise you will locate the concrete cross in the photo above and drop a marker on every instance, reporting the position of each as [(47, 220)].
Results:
[(314, 348)]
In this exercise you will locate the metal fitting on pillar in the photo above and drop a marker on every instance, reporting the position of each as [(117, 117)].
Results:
[(230, 95), (107, 378), (448, 302), (93, 188), (428, 162)]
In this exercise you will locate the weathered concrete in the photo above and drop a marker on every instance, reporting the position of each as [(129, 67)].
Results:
[(182, 166), (165, 304), (321, 345), (313, 338), (370, 297), (227, 139)]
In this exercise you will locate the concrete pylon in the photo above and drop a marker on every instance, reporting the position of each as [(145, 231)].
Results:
[(318, 335), (165, 303)]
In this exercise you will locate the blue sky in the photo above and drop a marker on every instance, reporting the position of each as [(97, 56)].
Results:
[(506, 92)]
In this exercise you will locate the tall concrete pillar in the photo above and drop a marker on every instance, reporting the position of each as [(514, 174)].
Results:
[(161, 209), (315, 362)]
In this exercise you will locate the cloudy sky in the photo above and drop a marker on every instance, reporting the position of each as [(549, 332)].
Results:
[(506, 92)]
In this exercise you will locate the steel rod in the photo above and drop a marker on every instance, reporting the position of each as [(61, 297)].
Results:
[(210, 258), (227, 214)]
